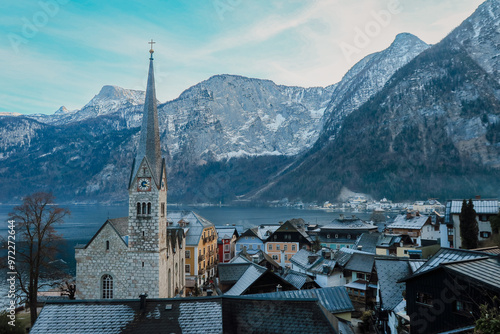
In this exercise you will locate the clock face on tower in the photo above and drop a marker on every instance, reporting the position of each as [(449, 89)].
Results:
[(144, 184)]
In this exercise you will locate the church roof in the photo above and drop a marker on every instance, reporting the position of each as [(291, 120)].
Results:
[(149, 141), (120, 225)]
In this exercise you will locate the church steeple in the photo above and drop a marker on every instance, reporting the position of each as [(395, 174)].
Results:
[(149, 142)]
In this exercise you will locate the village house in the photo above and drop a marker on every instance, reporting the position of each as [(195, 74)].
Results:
[(201, 246), (390, 304), (237, 279), (226, 243), (252, 240), (484, 208), (445, 293), (325, 271), (137, 254), (343, 232), (417, 226), (286, 241)]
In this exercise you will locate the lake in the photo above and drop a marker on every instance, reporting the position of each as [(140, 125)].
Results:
[(85, 220)]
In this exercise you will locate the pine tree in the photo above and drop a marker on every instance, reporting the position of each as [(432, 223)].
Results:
[(468, 225)]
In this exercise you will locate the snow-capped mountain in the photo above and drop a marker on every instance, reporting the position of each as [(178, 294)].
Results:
[(432, 130), (368, 77)]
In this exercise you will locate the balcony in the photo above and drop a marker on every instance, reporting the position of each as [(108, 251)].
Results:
[(201, 258), (211, 253), (201, 271)]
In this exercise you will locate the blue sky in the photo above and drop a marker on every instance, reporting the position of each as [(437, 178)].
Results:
[(61, 52)]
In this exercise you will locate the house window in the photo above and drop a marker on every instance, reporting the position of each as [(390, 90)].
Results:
[(107, 286), (293, 247), (485, 235), (348, 236), (361, 276), (270, 247), (461, 306), (277, 247), (258, 246), (143, 208), (107, 244), (226, 257), (149, 208), (226, 248), (138, 209), (275, 257), (250, 246), (187, 268), (286, 257), (424, 298), (285, 247), (188, 254), (163, 209), (328, 236), (336, 236)]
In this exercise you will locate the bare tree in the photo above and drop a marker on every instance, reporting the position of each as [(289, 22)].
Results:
[(37, 243)]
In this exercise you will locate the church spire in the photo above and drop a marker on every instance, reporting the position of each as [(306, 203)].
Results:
[(149, 142)]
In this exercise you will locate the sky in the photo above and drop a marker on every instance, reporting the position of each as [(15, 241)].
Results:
[(61, 52)]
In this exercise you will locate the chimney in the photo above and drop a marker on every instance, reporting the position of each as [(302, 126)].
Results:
[(417, 214), (360, 247), (311, 259), (408, 215), (279, 288), (143, 301)]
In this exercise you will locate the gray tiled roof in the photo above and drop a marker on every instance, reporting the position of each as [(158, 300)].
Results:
[(296, 279), (83, 318), (121, 225), (485, 270), (231, 272), (448, 255), (348, 224), (368, 242), (184, 315), (196, 224), (225, 232), (334, 299), (361, 262), (301, 259), (389, 272), (415, 222), (253, 273)]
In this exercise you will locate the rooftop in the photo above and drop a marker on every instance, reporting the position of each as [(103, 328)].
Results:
[(194, 221), (405, 222), (389, 272), (334, 299), (184, 315)]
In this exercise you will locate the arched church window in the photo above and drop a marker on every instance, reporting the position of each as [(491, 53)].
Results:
[(107, 286), (143, 208), (107, 244), (149, 208), (138, 209)]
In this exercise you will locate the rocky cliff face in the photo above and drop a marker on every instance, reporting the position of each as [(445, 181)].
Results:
[(367, 78), (433, 130), (87, 153)]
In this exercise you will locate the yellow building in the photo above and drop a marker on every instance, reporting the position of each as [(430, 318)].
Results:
[(201, 246), (286, 241)]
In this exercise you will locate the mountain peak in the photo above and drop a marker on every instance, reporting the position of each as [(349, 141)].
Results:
[(406, 38), (114, 94), (62, 111)]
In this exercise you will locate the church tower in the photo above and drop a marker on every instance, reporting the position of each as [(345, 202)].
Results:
[(147, 228)]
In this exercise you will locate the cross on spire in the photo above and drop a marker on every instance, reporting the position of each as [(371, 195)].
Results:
[(151, 50)]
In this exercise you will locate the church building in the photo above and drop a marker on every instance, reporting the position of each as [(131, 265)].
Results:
[(140, 253)]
